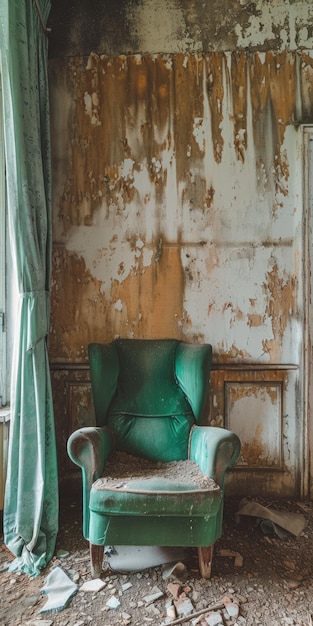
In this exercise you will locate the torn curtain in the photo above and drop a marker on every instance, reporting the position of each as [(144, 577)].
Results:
[(31, 498)]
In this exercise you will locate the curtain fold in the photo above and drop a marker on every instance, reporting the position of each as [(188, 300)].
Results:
[(31, 495)]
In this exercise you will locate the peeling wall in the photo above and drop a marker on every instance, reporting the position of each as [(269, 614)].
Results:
[(177, 192), (179, 26), (178, 206)]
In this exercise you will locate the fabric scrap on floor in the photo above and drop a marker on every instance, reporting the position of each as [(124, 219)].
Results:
[(59, 588), (273, 520)]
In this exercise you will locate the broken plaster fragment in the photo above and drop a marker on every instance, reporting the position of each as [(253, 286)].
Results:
[(126, 586), (59, 589), (171, 612), (113, 603), (155, 595), (214, 619), (232, 610), (153, 610), (93, 585), (183, 606)]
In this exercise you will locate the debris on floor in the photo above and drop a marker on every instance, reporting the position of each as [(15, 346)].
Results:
[(59, 588), (138, 558), (94, 585), (256, 580), (238, 560), (227, 608), (113, 602), (271, 520), (179, 570), (153, 596)]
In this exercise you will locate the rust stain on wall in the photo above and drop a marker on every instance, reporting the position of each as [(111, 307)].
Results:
[(148, 303), (114, 98), (242, 390), (232, 354), (215, 94), (135, 107), (187, 88), (281, 306), (240, 95), (273, 96), (282, 87), (79, 312), (140, 114), (255, 319), (273, 86), (152, 298), (253, 453)]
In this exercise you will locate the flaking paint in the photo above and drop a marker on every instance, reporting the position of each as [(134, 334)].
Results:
[(194, 152), (179, 26), (177, 207)]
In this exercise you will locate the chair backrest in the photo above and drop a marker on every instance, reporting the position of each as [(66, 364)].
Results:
[(150, 392)]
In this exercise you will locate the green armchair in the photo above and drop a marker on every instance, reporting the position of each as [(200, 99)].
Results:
[(152, 473)]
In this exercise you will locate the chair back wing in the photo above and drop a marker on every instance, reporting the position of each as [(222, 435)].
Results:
[(104, 371), (193, 366)]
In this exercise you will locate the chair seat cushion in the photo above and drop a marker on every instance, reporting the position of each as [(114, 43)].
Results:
[(136, 486)]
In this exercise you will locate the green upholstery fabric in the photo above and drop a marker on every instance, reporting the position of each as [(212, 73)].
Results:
[(140, 391), (154, 497), (134, 486), (104, 370), (119, 530), (155, 502), (132, 367), (149, 398), (156, 438), (192, 370), (147, 384)]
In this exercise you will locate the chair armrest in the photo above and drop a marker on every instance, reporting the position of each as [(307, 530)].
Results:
[(214, 450), (89, 448)]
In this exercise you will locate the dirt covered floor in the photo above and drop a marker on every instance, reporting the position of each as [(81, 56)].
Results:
[(257, 579)]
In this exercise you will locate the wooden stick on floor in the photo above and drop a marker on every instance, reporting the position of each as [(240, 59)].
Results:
[(186, 618)]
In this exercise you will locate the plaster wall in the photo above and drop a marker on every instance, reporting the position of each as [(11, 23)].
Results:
[(179, 26), (177, 198), (178, 172)]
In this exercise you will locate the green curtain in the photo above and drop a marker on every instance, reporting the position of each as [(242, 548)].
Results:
[(31, 497)]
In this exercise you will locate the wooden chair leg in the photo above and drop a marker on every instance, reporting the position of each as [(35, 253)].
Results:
[(205, 555), (96, 560)]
